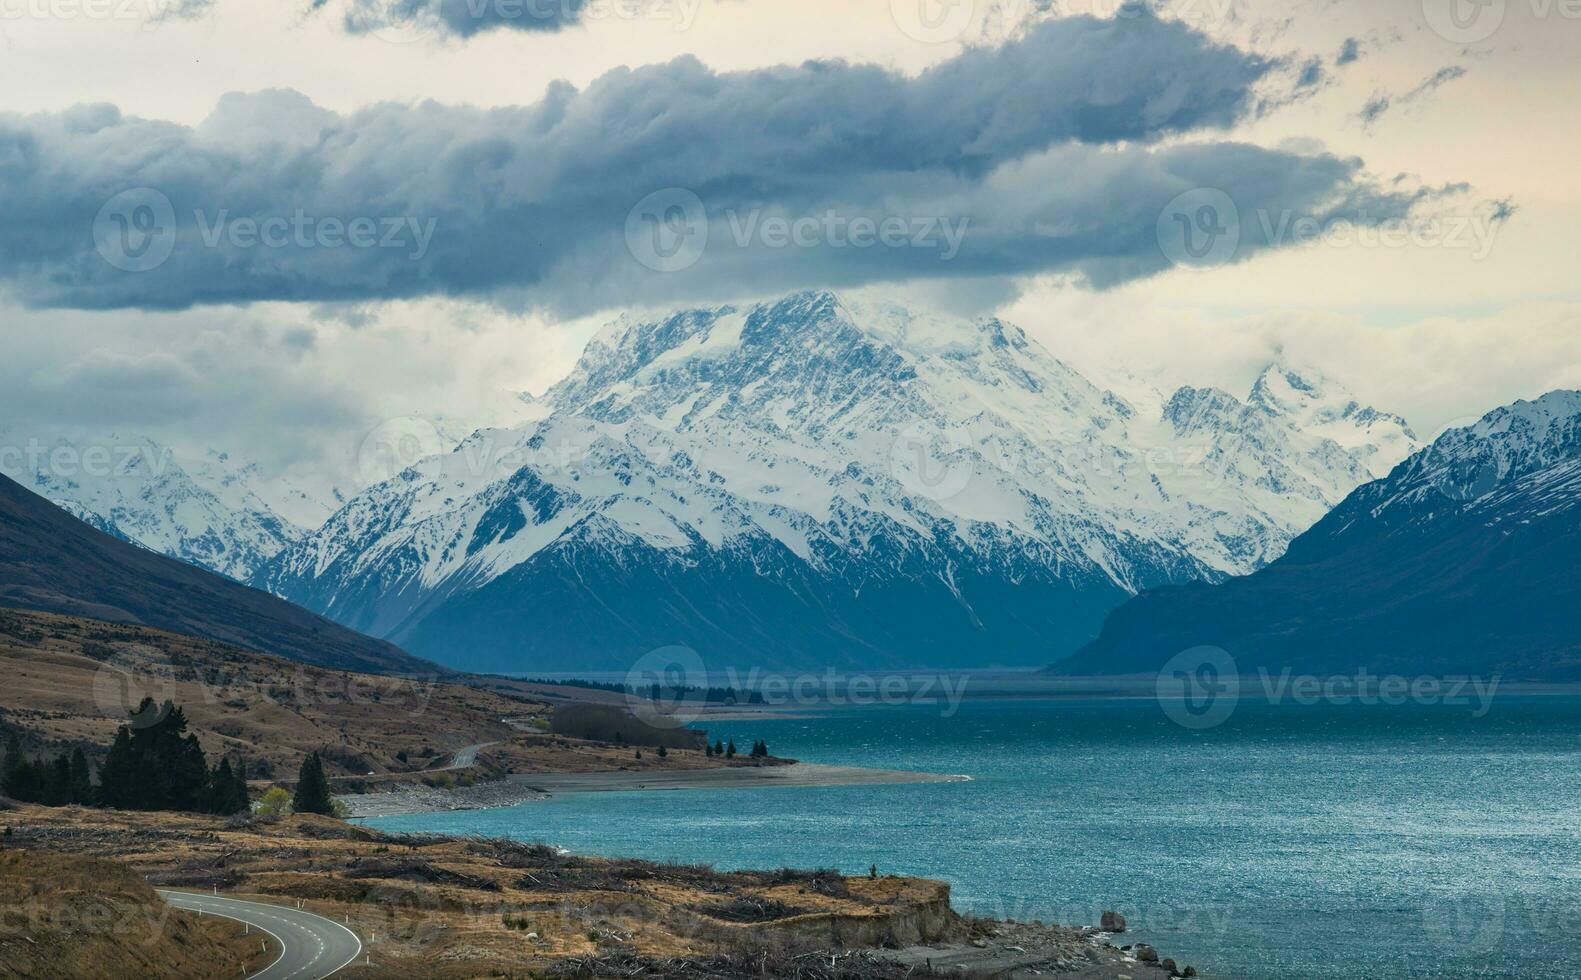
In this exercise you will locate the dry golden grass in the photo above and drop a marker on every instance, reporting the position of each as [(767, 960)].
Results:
[(64, 915), (70, 680), (444, 907)]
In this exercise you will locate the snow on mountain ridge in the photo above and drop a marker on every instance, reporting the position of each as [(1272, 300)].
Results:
[(136, 489), (860, 446), (1507, 444)]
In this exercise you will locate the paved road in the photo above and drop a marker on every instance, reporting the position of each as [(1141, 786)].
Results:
[(466, 758), (311, 945)]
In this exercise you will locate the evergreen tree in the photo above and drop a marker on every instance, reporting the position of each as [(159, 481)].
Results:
[(21, 779), (189, 782), (13, 756), (312, 789), (240, 796), (708, 750), (156, 766), (218, 797), (81, 781), (228, 788), (171, 771), (152, 764), (11, 776), (56, 780), (118, 775), (730, 750)]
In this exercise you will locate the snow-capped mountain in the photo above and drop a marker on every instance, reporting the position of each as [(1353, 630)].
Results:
[(207, 513), (807, 482), (1521, 451), (303, 501), (1461, 560)]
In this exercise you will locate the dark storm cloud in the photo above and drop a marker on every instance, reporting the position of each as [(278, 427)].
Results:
[(1041, 153)]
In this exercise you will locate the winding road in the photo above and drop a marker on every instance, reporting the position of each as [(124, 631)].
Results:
[(311, 945)]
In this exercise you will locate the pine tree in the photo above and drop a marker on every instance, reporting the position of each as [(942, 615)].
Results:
[(312, 789), (15, 761), (21, 779), (730, 750), (220, 788), (81, 780), (189, 787), (228, 788), (239, 794), (118, 775), (56, 781)]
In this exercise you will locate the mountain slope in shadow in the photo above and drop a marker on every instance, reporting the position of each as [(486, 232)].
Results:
[(1462, 561), (51, 561)]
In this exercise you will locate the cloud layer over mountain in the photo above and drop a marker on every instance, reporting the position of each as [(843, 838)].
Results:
[(1041, 155)]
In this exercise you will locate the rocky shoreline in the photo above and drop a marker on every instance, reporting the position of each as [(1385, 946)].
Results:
[(521, 788), (1006, 950), (421, 798), (994, 950), (988, 949)]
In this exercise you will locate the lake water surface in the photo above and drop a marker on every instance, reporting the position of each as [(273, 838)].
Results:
[(1309, 842)]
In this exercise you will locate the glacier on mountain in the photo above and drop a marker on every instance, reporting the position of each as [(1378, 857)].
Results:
[(812, 481)]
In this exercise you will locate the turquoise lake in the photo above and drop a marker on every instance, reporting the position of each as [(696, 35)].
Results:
[(1293, 841)]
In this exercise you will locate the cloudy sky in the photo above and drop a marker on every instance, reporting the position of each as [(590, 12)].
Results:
[(461, 191)]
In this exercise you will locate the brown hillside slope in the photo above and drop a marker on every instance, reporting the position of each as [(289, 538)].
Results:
[(438, 907), (65, 915), (70, 681), (51, 561)]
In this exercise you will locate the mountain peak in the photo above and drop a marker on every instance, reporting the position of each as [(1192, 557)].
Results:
[(1505, 445), (843, 453), (1542, 413), (1460, 561), (1301, 391)]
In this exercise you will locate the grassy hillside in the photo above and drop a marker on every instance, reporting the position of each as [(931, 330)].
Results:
[(446, 907), (69, 915), (71, 681)]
